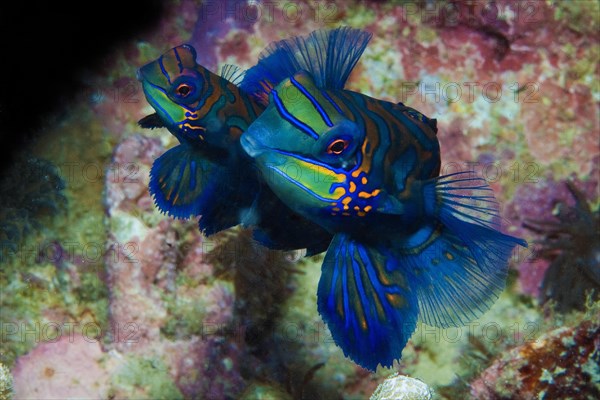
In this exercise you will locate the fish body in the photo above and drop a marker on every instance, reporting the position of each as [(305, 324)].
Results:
[(208, 174), (408, 244), (354, 185)]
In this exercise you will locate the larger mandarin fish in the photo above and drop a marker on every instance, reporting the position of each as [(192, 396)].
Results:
[(208, 174), (408, 244)]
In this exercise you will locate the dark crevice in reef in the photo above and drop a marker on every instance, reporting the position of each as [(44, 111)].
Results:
[(45, 47)]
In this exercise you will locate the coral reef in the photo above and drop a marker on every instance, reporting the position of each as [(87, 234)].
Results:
[(262, 391), (6, 383), (164, 298), (249, 266), (31, 189), (52, 370), (561, 364)]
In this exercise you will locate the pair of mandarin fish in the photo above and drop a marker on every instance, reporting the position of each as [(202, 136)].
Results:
[(285, 149)]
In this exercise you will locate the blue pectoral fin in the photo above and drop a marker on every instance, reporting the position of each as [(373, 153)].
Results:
[(184, 184), (180, 182), (460, 261), (367, 302)]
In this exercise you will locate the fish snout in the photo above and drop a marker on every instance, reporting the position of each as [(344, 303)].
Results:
[(250, 145)]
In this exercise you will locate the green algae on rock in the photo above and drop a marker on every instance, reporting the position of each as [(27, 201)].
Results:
[(144, 378), (264, 391), (6, 383)]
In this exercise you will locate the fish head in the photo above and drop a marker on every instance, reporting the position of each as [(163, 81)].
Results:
[(174, 85), (304, 145)]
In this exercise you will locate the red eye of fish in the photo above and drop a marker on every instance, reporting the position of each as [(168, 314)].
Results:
[(184, 89), (337, 146)]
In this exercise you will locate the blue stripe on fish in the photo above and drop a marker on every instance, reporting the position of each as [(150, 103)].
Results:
[(179, 64), (333, 103), (164, 71), (416, 132), (290, 118), (313, 101)]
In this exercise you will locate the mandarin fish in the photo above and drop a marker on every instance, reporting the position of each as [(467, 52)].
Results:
[(408, 244), (208, 174)]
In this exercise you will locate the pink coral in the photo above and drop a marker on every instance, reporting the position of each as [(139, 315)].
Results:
[(72, 367), (127, 178), (531, 275)]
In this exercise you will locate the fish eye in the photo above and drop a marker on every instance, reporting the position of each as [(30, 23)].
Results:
[(337, 146), (184, 89)]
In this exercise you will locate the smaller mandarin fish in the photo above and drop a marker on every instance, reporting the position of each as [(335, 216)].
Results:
[(408, 244), (208, 174)]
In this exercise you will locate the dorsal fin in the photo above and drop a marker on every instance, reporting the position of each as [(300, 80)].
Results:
[(232, 73), (329, 55)]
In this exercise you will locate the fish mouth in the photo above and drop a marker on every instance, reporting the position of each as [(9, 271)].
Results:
[(140, 73), (251, 146)]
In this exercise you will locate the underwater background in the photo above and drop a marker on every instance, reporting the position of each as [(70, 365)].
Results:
[(102, 296)]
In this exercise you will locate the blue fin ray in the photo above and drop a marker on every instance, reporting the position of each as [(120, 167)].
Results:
[(457, 280), (366, 301), (460, 266), (475, 203), (179, 181), (233, 73), (328, 55), (184, 184)]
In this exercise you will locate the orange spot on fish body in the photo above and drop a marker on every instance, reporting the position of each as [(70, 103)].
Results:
[(366, 195), (352, 187), (395, 300)]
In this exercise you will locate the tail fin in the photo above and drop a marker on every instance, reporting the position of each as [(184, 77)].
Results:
[(467, 206), (367, 302), (460, 264)]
